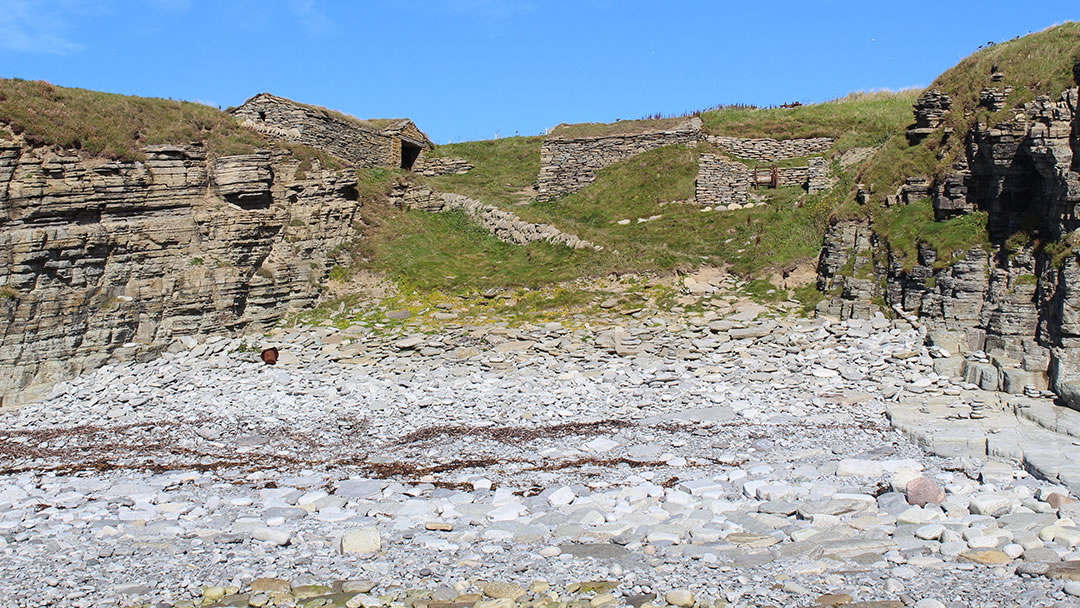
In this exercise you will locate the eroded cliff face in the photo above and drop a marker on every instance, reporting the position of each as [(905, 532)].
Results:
[(107, 260), (1019, 302)]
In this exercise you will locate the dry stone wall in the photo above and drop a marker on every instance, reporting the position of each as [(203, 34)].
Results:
[(724, 182), (569, 164), (448, 165), (771, 150), (109, 261), (503, 224), (349, 140), (721, 181)]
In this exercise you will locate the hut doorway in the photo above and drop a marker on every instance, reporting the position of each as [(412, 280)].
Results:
[(409, 154)]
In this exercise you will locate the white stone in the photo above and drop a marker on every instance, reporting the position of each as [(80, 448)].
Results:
[(507, 512), (930, 532), (601, 444), (683, 598), (361, 540), (1073, 588), (1013, 550), (276, 536), (561, 497), (994, 505), (859, 468), (1068, 536)]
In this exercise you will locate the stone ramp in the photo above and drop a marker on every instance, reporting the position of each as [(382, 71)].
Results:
[(1042, 436)]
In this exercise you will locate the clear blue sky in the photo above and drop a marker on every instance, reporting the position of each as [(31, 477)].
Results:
[(468, 69)]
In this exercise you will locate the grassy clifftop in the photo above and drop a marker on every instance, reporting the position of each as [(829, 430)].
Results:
[(1037, 64), (116, 126), (119, 126), (860, 119)]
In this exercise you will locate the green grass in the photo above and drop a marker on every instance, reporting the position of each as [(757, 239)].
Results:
[(776, 236), (449, 251), (860, 119), (119, 126), (621, 127), (904, 227), (761, 290), (504, 169), (1037, 64), (116, 126)]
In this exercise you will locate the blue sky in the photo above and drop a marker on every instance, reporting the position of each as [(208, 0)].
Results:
[(468, 69)]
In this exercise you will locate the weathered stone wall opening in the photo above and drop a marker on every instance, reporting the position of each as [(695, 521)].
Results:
[(409, 153)]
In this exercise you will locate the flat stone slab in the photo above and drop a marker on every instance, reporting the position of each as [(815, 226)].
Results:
[(595, 550)]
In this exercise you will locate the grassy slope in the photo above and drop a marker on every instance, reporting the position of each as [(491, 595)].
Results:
[(118, 126), (504, 169), (1037, 64), (425, 251), (750, 241), (860, 119), (445, 251)]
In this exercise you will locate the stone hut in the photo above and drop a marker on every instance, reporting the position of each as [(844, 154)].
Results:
[(381, 142)]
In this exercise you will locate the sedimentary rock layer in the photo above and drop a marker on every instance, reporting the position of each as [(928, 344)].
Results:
[(108, 260), (1018, 301)]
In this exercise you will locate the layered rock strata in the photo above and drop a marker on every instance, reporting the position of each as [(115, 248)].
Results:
[(111, 260), (502, 224), (1013, 308)]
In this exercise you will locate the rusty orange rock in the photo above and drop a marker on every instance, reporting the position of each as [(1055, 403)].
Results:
[(270, 355)]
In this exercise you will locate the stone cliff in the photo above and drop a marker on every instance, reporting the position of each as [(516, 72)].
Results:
[(111, 260), (1015, 300)]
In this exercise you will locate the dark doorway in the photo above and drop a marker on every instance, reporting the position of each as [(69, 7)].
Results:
[(409, 153)]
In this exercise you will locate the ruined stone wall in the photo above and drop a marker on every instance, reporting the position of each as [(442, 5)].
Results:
[(426, 165), (817, 175), (107, 260), (569, 164), (721, 181), (771, 150), (503, 224), (351, 141)]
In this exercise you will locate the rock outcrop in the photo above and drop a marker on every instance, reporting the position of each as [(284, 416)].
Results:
[(1018, 302), (112, 260), (930, 111)]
